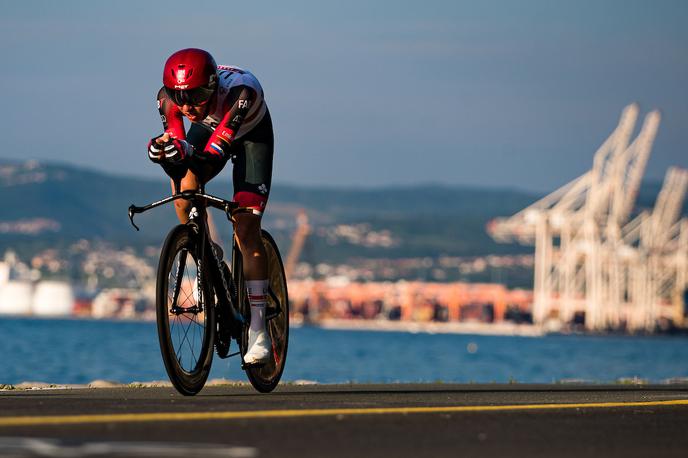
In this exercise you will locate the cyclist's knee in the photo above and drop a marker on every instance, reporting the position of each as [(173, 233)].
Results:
[(182, 205)]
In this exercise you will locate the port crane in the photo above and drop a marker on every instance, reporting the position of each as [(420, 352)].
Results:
[(298, 242), (592, 261)]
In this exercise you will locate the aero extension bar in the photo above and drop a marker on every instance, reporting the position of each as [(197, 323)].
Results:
[(227, 206)]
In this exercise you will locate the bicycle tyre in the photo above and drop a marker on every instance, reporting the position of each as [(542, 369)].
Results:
[(174, 329), (266, 377)]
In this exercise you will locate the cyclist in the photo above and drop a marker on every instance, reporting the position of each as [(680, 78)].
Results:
[(229, 120)]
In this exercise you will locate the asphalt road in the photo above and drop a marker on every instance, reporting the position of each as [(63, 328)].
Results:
[(349, 420)]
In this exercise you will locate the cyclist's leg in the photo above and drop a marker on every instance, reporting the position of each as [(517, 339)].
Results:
[(252, 176), (183, 206)]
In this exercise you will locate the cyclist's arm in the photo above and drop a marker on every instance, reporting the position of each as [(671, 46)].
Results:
[(172, 119), (239, 100)]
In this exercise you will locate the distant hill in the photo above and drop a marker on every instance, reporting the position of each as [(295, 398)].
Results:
[(55, 203)]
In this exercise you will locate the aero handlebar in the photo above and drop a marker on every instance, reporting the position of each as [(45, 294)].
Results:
[(230, 208)]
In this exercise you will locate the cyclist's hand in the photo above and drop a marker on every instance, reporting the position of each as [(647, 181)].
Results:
[(214, 153), (163, 139), (155, 147), (165, 148)]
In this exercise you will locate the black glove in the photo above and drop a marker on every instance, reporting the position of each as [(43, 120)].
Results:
[(173, 151)]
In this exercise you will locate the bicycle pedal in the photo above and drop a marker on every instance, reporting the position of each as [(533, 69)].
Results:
[(245, 366)]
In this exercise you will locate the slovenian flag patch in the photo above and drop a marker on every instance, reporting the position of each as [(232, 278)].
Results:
[(217, 148)]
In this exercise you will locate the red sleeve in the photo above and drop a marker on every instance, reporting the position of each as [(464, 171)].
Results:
[(241, 99), (172, 119)]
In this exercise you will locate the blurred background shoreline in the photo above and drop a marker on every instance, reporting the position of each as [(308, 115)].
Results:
[(349, 253)]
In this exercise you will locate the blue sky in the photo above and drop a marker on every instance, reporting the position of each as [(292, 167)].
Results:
[(492, 93)]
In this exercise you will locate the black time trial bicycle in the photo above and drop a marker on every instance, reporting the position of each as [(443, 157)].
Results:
[(202, 304)]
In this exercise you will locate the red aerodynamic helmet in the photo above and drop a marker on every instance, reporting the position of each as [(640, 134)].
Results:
[(190, 76)]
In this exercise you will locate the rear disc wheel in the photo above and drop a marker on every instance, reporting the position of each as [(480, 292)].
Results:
[(265, 378)]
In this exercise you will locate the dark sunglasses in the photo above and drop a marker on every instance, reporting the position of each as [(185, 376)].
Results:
[(194, 97)]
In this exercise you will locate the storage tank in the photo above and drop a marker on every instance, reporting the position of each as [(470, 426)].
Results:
[(4, 273), (53, 298), (16, 297)]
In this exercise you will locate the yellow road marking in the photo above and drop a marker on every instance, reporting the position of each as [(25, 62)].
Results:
[(187, 416)]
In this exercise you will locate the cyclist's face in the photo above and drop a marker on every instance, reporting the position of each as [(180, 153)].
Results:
[(195, 113)]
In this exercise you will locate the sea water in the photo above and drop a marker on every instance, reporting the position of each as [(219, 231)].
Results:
[(80, 351)]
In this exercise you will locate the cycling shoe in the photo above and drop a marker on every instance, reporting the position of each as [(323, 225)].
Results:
[(258, 348)]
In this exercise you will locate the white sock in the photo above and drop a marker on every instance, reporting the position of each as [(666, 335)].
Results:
[(257, 297)]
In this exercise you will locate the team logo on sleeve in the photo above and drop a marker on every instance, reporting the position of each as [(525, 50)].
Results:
[(227, 135)]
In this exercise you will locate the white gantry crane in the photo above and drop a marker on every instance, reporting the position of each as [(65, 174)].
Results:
[(591, 261), (660, 272)]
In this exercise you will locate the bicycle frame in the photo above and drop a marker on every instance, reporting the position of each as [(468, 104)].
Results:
[(228, 296)]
